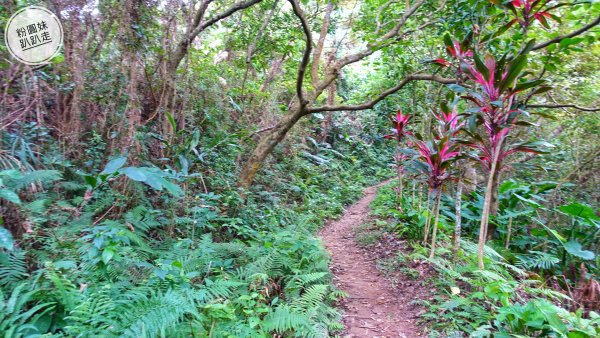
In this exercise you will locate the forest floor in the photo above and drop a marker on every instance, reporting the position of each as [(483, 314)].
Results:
[(375, 307)]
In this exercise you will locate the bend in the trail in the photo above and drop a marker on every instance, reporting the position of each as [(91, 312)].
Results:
[(373, 308)]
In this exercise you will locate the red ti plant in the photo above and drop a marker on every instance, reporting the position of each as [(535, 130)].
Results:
[(496, 110), (452, 124), (400, 121), (526, 12), (458, 50), (436, 157)]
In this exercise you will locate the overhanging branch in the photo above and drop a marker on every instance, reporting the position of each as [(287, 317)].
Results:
[(231, 10), (385, 40), (383, 95), (563, 106), (306, 56), (558, 39), (198, 26)]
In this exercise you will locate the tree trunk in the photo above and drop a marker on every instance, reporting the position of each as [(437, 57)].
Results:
[(419, 197), (69, 127), (491, 230), (412, 198), (132, 68), (508, 233), (428, 220), (399, 173), (487, 202), (436, 208), (266, 144), (326, 124), (458, 213)]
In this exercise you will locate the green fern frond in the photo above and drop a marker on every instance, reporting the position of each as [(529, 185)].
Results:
[(16, 317), (152, 316), (284, 319), (472, 248), (311, 297), (13, 268), (36, 177)]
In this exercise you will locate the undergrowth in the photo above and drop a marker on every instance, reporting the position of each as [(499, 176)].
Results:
[(504, 300), (144, 251)]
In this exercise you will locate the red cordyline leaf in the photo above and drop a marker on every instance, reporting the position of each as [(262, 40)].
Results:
[(401, 118), (541, 17), (457, 51), (528, 14), (525, 4), (545, 13), (437, 155), (487, 82), (442, 62), (400, 157), (449, 120), (400, 122)]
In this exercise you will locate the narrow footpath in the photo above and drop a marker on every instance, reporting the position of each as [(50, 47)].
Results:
[(373, 308)]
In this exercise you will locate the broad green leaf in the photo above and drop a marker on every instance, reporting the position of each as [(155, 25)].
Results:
[(541, 89), (172, 188), (134, 173), (65, 264), (575, 249), (195, 139), (171, 121), (555, 233), (529, 201), (92, 181), (579, 210), (481, 68), (528, 47), (514, 70), (457, 88), (114, 165), (6, 239), (107, 255), (10, 196), (529, 84), (508, 185), (564, 43), (448, 40)]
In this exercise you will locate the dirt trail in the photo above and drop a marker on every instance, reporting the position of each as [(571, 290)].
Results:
[(374, 308)]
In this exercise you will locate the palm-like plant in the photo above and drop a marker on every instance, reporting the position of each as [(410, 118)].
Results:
[(494, 97), (526, 12), (450, 122), (436, 157), (399, 132)]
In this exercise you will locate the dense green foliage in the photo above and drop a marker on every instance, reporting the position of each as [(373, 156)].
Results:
[(176, 261), (518, 292)]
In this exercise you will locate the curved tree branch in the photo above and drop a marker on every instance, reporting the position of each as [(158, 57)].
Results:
[(385, 40), (370, 104), (558, 39), (563, 106), (230, 11), (198, 26), (332, 72), (306, 56)]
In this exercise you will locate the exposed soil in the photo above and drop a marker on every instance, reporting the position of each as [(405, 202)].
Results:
[(375, 307)]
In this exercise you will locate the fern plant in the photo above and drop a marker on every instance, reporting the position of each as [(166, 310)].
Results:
[(19, 313)]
